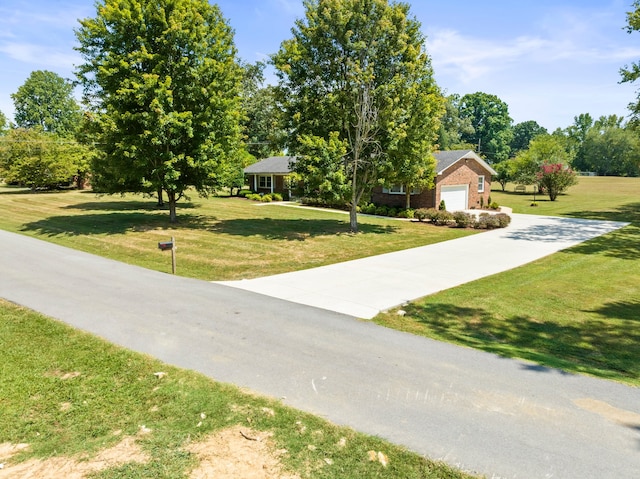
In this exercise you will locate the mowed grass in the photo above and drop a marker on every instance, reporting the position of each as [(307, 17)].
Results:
[(67, 393), (578, 310), (217, 238)]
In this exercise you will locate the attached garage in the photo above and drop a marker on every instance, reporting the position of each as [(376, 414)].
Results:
[(455, 197)]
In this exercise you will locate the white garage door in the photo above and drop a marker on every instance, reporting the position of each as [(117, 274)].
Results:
[(455, 197)]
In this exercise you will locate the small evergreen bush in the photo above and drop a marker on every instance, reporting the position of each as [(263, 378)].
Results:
[(276, 197), (442, 206)]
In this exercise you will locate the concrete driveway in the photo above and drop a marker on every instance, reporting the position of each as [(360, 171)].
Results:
[(364, 287)]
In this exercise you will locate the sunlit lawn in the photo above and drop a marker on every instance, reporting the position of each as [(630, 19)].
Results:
[(217, 238), (578, 309)]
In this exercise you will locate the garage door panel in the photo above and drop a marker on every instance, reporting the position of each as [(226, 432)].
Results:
[(455, 197)]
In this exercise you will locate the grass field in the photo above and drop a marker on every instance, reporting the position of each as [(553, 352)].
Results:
[(70, 395), (217, 238), (578, 310)]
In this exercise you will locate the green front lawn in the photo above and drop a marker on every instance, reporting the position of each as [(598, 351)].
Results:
[(217, 238)]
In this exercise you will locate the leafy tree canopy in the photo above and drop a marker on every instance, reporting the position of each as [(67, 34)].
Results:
[(453, 127), (544, 149), (39, 159), (610, 150), (262, 122), (630, 73), (356, 73), (523, 133), (45, 101), (4, 123), (162, 79), (492, 131)]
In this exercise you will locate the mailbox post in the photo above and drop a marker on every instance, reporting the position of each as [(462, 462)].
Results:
[(169, 246)]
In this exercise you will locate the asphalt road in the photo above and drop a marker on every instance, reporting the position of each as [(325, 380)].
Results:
[(499, 417)]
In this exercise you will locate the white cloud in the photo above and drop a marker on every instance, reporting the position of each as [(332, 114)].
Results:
[(290, 7), (40, 55)]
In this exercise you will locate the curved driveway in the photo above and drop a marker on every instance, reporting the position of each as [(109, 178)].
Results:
[(499, 417)]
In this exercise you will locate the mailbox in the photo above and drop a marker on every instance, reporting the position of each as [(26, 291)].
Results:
[(165, 245)]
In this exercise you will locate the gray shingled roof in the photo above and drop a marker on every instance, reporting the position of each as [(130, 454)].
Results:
[(446, 159), (280, 165), (274, 165)]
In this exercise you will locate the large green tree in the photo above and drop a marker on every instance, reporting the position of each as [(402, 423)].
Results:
[(492, 130), (356, 73), (631, 73), (262, 122), (162, 78), (610, 150), (544, 149), (523, 133), (453, 127), (39, 159), (4, 123), (45, 101)]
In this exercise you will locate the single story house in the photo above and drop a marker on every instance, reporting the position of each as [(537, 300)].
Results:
[(270, 175), (462, 179)]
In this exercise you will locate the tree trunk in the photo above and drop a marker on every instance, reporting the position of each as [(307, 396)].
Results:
[(160, 199), (353, 211), (171, 196), (407, 198)]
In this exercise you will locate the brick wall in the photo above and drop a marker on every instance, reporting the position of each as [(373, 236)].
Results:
[(465, 172)]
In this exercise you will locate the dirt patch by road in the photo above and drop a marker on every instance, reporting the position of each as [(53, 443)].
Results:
[(231, 453)]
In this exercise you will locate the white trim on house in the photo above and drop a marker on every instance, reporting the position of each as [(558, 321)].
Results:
[(265, 181), (400, 190)]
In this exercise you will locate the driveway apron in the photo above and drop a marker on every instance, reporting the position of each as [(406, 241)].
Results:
[(482, 413)]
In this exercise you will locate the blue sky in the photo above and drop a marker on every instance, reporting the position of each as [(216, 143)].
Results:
[(549, 60)]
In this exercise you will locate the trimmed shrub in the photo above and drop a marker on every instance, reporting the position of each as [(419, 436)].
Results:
[(503, 220), (494, 206), (253, 197), (392, 212), (244, 193), (266, 199), (462, 219), (421, 214), (369, 209), (443, 218), (408, 213), (442, 206), (276, 197), (381, 210)]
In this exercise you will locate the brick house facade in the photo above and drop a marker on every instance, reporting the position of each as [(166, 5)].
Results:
[(463, 180)]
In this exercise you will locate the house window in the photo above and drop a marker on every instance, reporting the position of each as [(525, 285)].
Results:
[(264, 181), (480, 184), (400, 190)]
